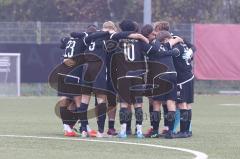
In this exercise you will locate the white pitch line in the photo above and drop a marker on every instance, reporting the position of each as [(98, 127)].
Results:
[(197, 154), (236, 105)]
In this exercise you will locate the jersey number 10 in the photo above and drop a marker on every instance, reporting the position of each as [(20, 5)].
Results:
[(129, 51)]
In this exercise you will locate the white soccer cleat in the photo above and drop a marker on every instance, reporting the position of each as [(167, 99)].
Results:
[(84, 134)]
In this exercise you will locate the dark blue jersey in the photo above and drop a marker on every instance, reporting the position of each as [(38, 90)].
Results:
[(72, 46), (183, 63), (166, 56), (97, 42)]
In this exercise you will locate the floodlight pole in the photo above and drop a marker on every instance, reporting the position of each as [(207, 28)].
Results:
[(147, 12)]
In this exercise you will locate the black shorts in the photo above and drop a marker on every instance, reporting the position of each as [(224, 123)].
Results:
[(74, 78), (185, 92), (112, 100), (172, 94), (125, 93), (95, 79)]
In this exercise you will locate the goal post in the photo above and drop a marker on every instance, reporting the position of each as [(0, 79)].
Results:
[(10, 74)]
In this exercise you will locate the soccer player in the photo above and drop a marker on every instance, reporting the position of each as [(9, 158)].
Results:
[(185, 85), (165, 26), (170, 97), (97, 42), (131, 73), (148, 31), (161, 26), (74, 46)]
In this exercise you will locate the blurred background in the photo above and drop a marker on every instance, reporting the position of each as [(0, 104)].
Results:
[(30, 32)]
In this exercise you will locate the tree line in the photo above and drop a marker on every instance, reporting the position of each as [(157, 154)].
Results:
[(175, 11)]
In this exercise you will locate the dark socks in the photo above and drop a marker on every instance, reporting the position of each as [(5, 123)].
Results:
[(165, 111), (189, 119), (129, 121), (139, 116), (102, 109), (82, 114), (67, 116), (170, 118), (124, 115), (111, 124), (150, 111), (155, 120), (184, 120)]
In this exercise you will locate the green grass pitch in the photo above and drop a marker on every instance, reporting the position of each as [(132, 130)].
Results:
[(216, 130)]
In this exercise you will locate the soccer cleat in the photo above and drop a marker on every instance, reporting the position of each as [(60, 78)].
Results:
[(122, 135), (100, 135), (84, 134), (112, 132), (164, 132), (149, 132), (154, 134), (139, 135), (189, 133), (181, 135), (169, 135), (70, 134), (92, 133)]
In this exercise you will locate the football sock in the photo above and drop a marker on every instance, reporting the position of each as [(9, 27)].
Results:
[(124, 115), (102, 110), (82, 114), (150, 111), (139, 116), (165, 111), (155, 119), (111, 124), (184, 120), (177, 120), (170, 117), (129, 120), (67, 116), (189, 126)]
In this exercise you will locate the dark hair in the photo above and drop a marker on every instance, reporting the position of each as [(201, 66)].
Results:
[(127, 25), (146, 30), (137, 27), (91, 28)]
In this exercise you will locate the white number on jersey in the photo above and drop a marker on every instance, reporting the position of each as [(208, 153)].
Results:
[(187, 55), (91, 46), (70, 49), (129, 51)]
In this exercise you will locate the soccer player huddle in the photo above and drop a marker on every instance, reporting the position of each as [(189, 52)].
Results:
[(122, 64)]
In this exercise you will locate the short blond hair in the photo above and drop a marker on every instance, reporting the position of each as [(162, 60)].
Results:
[(109, 25)]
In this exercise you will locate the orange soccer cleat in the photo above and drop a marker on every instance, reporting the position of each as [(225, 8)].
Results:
[(92, 133), (70, 134)]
